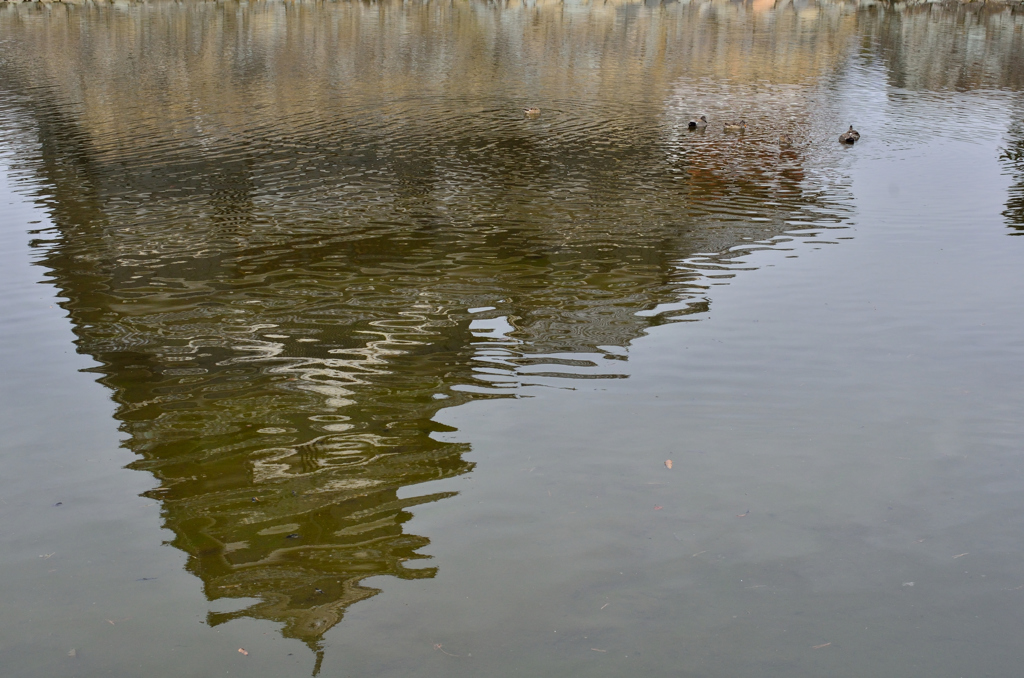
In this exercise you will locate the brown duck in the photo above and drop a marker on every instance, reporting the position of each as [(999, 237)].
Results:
[(850, 136)]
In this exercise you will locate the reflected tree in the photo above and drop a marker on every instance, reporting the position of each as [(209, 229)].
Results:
[(1013, 160)]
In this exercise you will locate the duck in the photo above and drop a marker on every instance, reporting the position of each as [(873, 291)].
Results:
[(849, 136), (531, 112), (785, 140), (736, 126), (701, 123)]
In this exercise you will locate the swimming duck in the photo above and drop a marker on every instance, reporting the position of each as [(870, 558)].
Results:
[(736, 126), (531, 112), (700, 123), (849, 136), (785, 140)]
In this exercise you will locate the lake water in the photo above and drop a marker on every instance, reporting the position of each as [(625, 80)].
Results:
[(321, 357)]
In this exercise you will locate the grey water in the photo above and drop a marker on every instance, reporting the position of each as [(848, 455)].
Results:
[(321, 358)]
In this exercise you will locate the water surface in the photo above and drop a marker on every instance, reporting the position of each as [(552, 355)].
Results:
[(393, 369)]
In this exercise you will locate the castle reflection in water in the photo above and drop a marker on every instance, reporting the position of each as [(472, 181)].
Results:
[(277, 225)]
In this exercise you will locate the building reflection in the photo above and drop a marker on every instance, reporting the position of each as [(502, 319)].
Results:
[(286, 262), (962, 48)]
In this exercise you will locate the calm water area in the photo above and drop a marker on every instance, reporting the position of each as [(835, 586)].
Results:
[(321, 358)]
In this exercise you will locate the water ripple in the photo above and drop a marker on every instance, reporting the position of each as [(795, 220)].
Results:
[(288, 246)]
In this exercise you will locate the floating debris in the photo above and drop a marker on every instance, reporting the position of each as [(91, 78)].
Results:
[(438, 646)]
